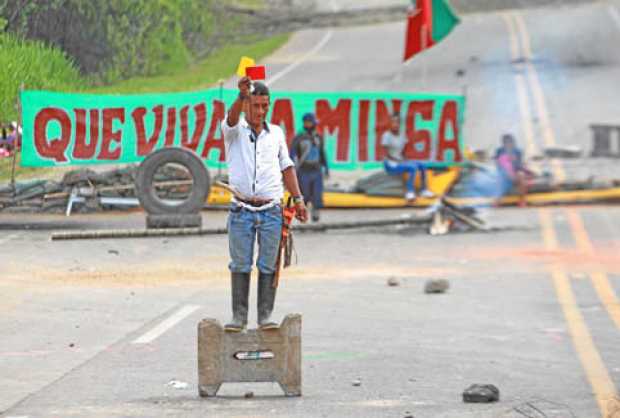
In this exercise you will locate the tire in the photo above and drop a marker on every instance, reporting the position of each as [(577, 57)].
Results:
[(145, 191)]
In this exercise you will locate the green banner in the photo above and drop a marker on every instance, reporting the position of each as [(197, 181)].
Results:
[(73, 129)]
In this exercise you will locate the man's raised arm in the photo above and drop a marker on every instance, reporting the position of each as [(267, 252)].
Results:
[(235, 111)]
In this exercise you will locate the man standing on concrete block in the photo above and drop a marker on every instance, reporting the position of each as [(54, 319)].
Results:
[(258, 160)]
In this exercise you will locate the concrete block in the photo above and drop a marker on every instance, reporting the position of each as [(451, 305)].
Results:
[(251, 356)]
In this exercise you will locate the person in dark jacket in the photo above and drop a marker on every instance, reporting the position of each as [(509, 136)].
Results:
[(308, 153)]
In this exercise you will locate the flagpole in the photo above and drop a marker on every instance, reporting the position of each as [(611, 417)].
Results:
[(424, 47), (18, 136), (219, 157)]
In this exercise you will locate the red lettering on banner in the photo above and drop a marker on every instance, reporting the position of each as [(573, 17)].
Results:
[(382, 124), (109, 135), (171, 124), (199, 126), (417, 137), (145, 147), (362, 145), (332, 119), (83, 149), (212, 142), (283, 114), (449, 116), (53, 148)]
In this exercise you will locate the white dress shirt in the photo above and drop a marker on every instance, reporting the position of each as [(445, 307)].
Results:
[(255, 166)]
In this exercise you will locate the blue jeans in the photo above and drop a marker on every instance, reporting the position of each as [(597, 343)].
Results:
[(409, 167), (311, 185), (243, 228)]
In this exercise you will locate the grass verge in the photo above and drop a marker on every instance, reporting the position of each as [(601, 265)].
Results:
[(220, 65)]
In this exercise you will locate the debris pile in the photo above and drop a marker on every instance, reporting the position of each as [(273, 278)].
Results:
[(85, 190), (447, 216)]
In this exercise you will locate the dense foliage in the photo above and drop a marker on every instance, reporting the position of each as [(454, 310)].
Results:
[(35, 65), (117, 39)]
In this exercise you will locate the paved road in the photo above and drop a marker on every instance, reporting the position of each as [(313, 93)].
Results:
[(68, 332), (534, 310)]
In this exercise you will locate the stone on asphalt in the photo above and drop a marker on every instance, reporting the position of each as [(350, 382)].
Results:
[(393, 281), (357, 382), (481, 393), (436, 286)]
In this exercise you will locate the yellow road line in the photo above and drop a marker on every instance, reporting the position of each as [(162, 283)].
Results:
[(522, 96), (512, 32), (524, 107), (591, 361), (599, 278), (542, 111)]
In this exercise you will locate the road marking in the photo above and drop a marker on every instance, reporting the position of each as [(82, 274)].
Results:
[(596, 372), (165, 325), (526, 112), (512, 34), (533, 80), (613, 12), (538, 94), (599, 278), (301, 59), (522, 93), (7, 238), (307, 55)]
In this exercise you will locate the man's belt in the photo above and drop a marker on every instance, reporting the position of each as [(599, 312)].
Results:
[(250, 201), (254, 201)]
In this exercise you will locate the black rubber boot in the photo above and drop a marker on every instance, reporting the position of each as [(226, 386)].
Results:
[(266, 299), (240, 286)]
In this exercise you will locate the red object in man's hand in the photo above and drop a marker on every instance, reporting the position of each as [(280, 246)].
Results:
[(256, 73)]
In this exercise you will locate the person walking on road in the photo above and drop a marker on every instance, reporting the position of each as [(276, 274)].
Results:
[(308, 152), (258, 162), (393, 143)]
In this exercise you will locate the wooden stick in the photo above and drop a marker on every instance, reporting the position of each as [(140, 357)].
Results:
[(18, 135), (144, 233)]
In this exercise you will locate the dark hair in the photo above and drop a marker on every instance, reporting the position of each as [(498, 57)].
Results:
[(260, 89), (395, 115), (508, 138)]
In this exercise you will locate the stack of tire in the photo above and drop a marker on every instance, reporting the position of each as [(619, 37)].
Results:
[(180, 214)]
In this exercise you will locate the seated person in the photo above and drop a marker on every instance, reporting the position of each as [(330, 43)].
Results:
[(12, 137), (4, 152), (393, 143), (509, 160)]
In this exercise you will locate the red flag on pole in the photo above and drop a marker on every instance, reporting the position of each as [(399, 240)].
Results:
[(419, 29), (428, 23)]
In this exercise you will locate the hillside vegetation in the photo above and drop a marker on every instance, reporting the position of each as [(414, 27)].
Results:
[(123, 46), (35, 65)]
